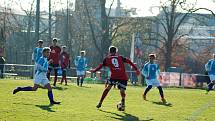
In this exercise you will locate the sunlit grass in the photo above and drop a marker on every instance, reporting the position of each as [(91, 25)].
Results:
[(78, 104)]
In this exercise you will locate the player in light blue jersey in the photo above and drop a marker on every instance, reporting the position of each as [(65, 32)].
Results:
[(81, 64), (151, 71), (40, 77), (210, 68), (37, 53)]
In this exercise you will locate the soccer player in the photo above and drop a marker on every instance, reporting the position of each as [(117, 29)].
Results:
[(118, 74), (40, 77), (210, 68), (151, 71), (54, 60), (37, 53), (2, 62), (64, 63), (81, 64)]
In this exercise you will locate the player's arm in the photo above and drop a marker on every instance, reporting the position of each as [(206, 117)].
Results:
[(86, 61), (99, 66), (158, 72), (158, 69), (207, 66), (126, 60), (145, 71), (76, 61), (33, 55)]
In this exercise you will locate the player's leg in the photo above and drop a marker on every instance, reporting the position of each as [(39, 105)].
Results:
[(82, 80), (123, 95), (28, 88), (1, 71), (106, 82), (157, 84), (148, 88), (121, 84), (82, 77), (211, 84), (105, 92), (78, 77), (55, 74), (161, 94), (50, 94), (65, 73)]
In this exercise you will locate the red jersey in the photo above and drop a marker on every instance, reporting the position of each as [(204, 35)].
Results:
[(55, 54), (117, 67), (64, 59)]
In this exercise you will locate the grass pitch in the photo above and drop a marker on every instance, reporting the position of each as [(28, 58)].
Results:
[(78, 104)]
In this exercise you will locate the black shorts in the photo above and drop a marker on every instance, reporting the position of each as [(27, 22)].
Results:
[(121, 84), (53, 66)]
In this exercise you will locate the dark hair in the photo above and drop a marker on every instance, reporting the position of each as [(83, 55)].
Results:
[(152, 55), (46, 48), (54, 39), (40, 41), (82, 52), (112, 49)]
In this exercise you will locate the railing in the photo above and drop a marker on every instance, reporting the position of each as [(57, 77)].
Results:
[(169, 79)]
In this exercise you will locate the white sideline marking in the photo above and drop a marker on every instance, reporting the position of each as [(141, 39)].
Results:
[(200, 110)]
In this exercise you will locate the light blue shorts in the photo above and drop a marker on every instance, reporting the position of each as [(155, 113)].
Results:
[(41, 81), (153, 82), (80, 73), (212, 77)]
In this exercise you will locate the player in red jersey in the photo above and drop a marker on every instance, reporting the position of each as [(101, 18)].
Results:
[(64, 63), (118, 73), (54, 60)]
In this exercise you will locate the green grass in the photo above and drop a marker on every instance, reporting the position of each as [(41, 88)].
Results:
[(78, 104)]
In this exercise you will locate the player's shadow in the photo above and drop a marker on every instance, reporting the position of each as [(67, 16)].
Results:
[(161, 103), (59, 88), (84, 87), (45, 107), (125, 117)]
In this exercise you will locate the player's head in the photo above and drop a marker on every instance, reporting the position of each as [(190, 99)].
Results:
[(54, 40), (82, 53), (46, 51), (214, 55), (152, 57), (113, 50), (64, 48), (40, 42)]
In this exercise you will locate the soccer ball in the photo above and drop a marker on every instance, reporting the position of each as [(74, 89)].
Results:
[(120, 107)]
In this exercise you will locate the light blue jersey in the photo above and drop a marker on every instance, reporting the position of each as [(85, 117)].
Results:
[(151, 70), (210, 67), (42, 68), (42, 65), (37, 53), (81, 63)]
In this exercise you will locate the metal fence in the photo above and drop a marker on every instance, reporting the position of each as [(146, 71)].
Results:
[(169, 79), (184, 80)]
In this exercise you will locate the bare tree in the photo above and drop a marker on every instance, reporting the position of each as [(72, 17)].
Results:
[(170, 21)]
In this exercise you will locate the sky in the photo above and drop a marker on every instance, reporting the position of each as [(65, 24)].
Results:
[(143, 6)]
